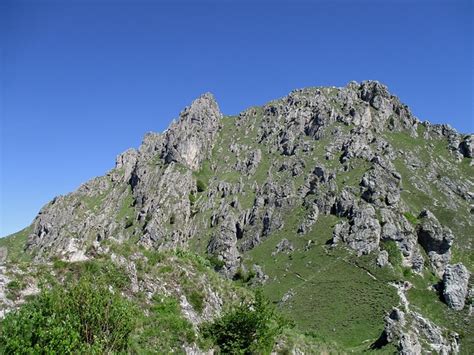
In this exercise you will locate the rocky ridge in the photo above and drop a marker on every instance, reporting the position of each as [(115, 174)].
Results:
[(226, 187)]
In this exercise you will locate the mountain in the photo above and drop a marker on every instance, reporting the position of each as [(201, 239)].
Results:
[(352, 216)]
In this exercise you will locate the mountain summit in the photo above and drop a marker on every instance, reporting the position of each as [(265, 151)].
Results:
[(353, 216)]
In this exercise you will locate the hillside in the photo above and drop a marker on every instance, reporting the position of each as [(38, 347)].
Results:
[(352, 216)]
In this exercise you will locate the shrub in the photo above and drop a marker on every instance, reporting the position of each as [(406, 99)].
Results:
[(164, 329), (411, 218), (394, 253), (196, 299), (14, 289), (200, 185), (76, 317), (243, 275), (251, 327), (215, 262)]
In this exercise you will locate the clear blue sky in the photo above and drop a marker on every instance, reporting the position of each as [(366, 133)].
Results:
[(82, 81)]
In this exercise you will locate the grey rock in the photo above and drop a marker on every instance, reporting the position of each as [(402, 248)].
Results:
[(466, 147), (127, 161), (287, 296), (455, 285), (223, 245), (284, 246), (361, 232), (380, 187), (436, 240), (310, 220), (409, 344), (260, 276), (434, 335), (382, 258), (190, 139)]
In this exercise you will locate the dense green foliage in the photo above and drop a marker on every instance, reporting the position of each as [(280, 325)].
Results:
[(201, 185), (164, 328), (82, 317), (249, 328)]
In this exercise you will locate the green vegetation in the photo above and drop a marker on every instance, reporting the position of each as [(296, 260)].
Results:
[(126, 211), (82, 316), (394, 254), (14, 288), (411, 218), (15, 245), (244, 275), (200, 185), (164, 329), (332, 296), (196, 299), (249, 328)]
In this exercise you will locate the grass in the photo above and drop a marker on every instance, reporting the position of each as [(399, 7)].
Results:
[(411, 218), (326, 286), (164, 328), (427, 302), (126, 211), (15, 245), (394, 254)]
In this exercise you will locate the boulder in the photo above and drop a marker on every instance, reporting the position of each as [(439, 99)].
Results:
[(436, 240), (284, 246), (455, 285), (361, 232)]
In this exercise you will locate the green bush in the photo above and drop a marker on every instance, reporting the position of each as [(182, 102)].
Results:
[(84, 316), (394, 253), (200, 185), (249, 328), (215, 262), (14, 289), (164, 329), (411, 218), (243, 275), (196, 299)]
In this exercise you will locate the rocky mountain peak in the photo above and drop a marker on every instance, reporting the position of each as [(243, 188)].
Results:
[(323, 178), (189, 139)]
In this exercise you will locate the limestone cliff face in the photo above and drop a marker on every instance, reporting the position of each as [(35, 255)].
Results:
[(224, 185), (150, 192), (146, 195), (190, 139)]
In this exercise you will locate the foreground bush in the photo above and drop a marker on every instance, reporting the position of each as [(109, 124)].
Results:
[(248, 328), (164, 330), (84, 316)]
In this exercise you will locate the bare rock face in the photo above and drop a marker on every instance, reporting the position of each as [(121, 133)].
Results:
[(351, 159), (466, 147), (190, 139), (436, 240), (455, 285), (223, 245), (284, 246), (361, 232), (127, 161), (382, 258)]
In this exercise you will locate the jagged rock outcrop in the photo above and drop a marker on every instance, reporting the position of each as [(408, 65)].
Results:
[(436, 240), (349, 164), (382, 258), (284, 246), (190, 139), (455, 285), (466, 147), (223, 245), (361, 232), (414, 334)]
